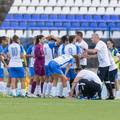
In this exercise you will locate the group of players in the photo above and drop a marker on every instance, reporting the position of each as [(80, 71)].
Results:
[(57, 67)]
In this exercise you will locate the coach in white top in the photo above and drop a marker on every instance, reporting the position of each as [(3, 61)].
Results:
[(83, 45), (104, 62), (89, 83)]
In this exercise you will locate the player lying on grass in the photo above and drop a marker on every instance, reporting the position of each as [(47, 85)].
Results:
[(89, 83)]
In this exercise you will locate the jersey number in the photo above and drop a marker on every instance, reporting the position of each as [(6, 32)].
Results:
[(14, 51), (70, 51)]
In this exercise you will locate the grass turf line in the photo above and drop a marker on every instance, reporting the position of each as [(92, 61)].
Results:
[(57, 109)]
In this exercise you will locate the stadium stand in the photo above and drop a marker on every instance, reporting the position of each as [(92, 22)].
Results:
[(37, 16)]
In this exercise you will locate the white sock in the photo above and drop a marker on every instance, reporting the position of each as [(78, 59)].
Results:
[(77, 89), (59, 89), (8, 90), (117, 94), (39, 90), (29, 89), (65, 92), (54, 89), (2, 86), (49, 87), (36, 90), (14, 92), (44, 88), (23, 92), (68, 88)]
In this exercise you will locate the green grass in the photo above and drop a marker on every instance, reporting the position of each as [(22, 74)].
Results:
[(57, 109)]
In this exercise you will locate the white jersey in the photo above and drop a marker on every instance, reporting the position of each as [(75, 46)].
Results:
[(30, 51), (64, 60), (83, 45), (15, 51), (102, 54), (48, 51), (112, 62), (71, 49), (89, 75)]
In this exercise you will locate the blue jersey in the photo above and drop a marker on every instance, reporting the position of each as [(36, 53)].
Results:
[(1, 51), (61, 50), (30, 51)]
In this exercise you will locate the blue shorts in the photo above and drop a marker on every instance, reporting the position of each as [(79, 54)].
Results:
[(1, 73), (16, 72), (47, 72), (54, 68), (31, 71)]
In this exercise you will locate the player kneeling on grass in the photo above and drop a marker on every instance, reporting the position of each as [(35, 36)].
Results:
[(16, 70), (55, 70), (90, 84)]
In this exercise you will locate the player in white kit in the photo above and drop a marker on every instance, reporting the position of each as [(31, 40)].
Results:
[(16, 70), (49, 55)]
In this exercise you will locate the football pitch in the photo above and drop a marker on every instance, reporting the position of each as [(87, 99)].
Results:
[(58, 109)]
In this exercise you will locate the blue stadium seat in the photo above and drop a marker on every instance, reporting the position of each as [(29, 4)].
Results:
[(18, 16), (67, 25), (44, 17), (114, 17), (106, 17), (97, 17), (23, 25), (103, 26), (53, 17), (35, 16), (40, 24), (79, 17), (88, 17), (31, 24), (9, 16), (58, 24), (111, 25), (14, 25), (49, 24), (93, 25), (117, 26), (62, 17), (70, 17), (85, 26), (27, 16), (75, 25), (5, 25)]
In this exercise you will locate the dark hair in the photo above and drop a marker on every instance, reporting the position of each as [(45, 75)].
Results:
[(10, 41), (64, 38), (2, 38), (113, 42), (38, 38), (15, 38), (79, 33), (78, 69), (71, 39)]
